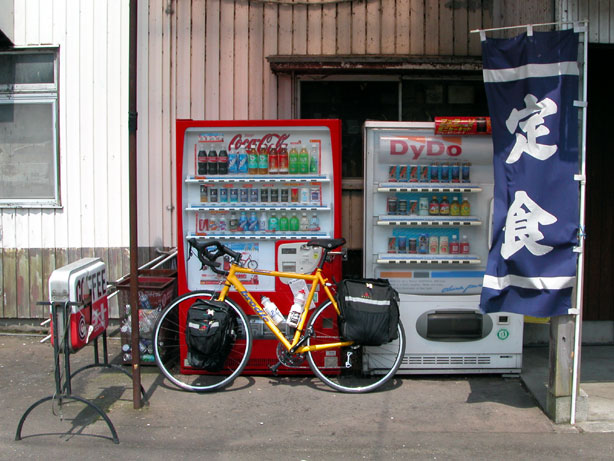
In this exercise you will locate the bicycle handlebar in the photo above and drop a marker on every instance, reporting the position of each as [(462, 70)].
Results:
[(208, 251)]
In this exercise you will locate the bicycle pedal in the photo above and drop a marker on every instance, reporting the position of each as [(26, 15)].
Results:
[(275, 367)]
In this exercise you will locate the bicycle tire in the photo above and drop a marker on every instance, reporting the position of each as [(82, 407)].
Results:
[(370, 366), (170, 347)]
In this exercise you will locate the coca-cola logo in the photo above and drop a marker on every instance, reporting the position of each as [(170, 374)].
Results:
[(266, 142)]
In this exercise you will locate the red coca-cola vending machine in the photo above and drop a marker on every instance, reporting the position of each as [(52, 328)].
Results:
[(263, 188)]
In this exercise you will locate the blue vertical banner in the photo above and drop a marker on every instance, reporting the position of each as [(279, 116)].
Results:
[(531, 84)]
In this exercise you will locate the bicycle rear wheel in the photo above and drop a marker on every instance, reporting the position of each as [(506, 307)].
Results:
[(356, 368), (170, 348)]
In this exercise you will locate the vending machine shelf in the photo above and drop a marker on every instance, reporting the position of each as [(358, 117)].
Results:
[(432, 221), (427, 187), (246, 207), (258, 179), (427, 259), (301, 235)]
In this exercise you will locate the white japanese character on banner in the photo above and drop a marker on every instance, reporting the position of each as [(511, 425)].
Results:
[(522, 227), (530, 120)]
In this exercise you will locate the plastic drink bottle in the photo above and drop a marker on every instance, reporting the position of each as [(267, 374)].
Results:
[(202, 162), (222, 161), (243, 221), (314, 158), (455, 207), (304, 224), (444, 206), (263, 161), (252, 161), (212, 161), (283, 222), (296, 310), (454, 246), (282, 161), (273, 161), (271, 309), (233, 162), (464, 245), (262, 223), (242, 162), (303, 161), (294, 223), (273, 223), (252, 222), (293, 161), (465, 208), (314, 223)]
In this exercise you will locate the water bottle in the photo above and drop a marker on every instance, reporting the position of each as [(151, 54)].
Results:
[(271, 309), (296, 310)]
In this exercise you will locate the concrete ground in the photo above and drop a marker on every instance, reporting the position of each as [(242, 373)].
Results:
[(416, 417)]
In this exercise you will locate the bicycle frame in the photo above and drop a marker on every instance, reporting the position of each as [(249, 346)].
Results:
[(316, 280)]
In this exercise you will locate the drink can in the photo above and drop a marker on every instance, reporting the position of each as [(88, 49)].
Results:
[(423, 244), (435, 168), (433, 245), (403, 174), (391, 205), (304, 197), (223, 194), (412, 246), (253, 194), (243, 195), (465, 172), (315, 198), (213, 194), (392, 173), (423, 206), (455, 172), (392, 245), (402, 243), (233, 194), (445, 172), (284, 195), (425, 173), (294, 194), (414, 173), (413, 207), (264, 194), (402, 207), (203, 193), (444, 247), (274, 194)]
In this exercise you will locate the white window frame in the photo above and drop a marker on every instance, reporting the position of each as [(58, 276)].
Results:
[(36, 93)]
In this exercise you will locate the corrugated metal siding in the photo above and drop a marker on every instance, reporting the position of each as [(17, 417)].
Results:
[(600, 14)]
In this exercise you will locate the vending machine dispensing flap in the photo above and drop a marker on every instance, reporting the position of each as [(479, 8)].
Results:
[(453, 325), (297, 257)]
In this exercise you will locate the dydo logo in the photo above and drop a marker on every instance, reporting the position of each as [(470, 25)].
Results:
[(422, 146)]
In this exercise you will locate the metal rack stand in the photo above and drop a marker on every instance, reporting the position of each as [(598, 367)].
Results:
[(63, 390)]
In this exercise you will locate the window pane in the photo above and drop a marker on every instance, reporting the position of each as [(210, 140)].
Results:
[(26, 68), (27, 151)]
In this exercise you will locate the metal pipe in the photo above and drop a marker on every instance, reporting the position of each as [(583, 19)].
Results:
[(580, 270)]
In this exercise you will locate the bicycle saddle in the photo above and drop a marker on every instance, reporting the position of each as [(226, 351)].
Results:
[(328, 244)]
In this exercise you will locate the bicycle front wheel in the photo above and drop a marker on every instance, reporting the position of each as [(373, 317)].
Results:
[(171, 350), (355, 368)]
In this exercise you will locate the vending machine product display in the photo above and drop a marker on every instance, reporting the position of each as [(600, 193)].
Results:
[(428, 209), (263, 188)]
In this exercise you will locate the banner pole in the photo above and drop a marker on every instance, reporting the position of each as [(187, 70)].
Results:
[(581, 235)]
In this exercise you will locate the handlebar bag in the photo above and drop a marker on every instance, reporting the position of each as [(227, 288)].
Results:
[(369, 311), (209, 334)]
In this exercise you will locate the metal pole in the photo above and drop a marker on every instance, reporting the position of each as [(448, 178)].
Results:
[(581, 237), (134, 245)]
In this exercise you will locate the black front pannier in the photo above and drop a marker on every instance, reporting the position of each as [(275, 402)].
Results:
[(209, 334), (369, 311)]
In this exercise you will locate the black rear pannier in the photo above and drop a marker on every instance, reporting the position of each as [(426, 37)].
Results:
[(369, 311), (209, 334)]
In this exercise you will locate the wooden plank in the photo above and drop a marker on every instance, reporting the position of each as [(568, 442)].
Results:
[(344, 28), (212, 61), (359, 28), (314, 29), (299, 29), (388, 29), (403, 22), (197, 66), (284, 97), (474, 21), (431, 37), (329, 29), (446, 29), (35, 290), (269, 91), (226, 77), (374, 28), (256, 69), (242, 69), (461, 30), (417, 27), (9, 282), (48, 265), (23, 283), (183, 59), (284, 30)]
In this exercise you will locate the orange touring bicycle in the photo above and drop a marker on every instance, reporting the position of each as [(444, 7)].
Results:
[(343, 365)]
